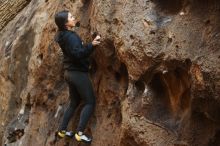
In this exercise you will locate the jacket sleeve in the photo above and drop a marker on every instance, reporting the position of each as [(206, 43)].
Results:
[(75, 48)]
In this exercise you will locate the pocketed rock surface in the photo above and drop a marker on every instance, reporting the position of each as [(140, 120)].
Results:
[(156, 73)]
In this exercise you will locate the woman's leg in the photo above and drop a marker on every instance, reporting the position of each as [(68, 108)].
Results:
[(85, 90), (74, 102)]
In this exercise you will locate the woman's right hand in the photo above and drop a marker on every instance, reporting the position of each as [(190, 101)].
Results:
[(96, 41)]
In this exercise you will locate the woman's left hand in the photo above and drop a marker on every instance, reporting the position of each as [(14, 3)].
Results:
[(96, 41)]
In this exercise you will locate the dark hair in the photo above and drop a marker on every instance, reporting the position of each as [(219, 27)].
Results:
[(61, 18)]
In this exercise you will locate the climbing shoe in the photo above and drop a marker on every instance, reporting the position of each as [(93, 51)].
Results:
[(83, 138), (63, 133)]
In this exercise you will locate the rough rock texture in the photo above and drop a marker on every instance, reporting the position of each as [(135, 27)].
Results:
[(9, 9), (156, 74)]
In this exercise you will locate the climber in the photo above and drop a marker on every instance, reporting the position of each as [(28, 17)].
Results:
[(76, 66)]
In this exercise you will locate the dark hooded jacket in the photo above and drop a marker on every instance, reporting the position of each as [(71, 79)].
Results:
[(76, 54)]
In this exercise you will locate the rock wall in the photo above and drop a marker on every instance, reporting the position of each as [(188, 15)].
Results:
[(156, 73), (9, 9)]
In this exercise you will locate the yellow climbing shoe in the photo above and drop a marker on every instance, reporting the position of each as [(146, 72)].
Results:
[(64, 133), (83, 138)]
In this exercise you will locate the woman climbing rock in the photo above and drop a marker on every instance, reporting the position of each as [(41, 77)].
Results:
[(76, 67)]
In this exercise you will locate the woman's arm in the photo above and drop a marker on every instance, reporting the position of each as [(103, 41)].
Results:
[(75, 48)]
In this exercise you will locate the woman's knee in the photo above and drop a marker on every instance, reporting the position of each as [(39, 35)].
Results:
[(91, 101), (74, 103)]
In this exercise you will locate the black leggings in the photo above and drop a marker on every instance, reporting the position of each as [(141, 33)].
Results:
[(80, 87)]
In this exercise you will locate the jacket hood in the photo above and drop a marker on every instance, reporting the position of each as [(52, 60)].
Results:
[(59, 36)]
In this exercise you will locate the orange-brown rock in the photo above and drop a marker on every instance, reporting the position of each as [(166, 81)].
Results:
[(156, 73)]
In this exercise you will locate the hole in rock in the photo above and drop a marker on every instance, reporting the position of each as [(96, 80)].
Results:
[(117, 76), (51, 95), (152, 32), (121, 74), (160, 98), (124, 79), (115, 21), (15, 135), (170, 96), (40, 56), (207, 22), (131, 36), (169, 6), (140, 86)]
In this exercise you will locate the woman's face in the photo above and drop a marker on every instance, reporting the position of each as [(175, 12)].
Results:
[(71, 21)]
